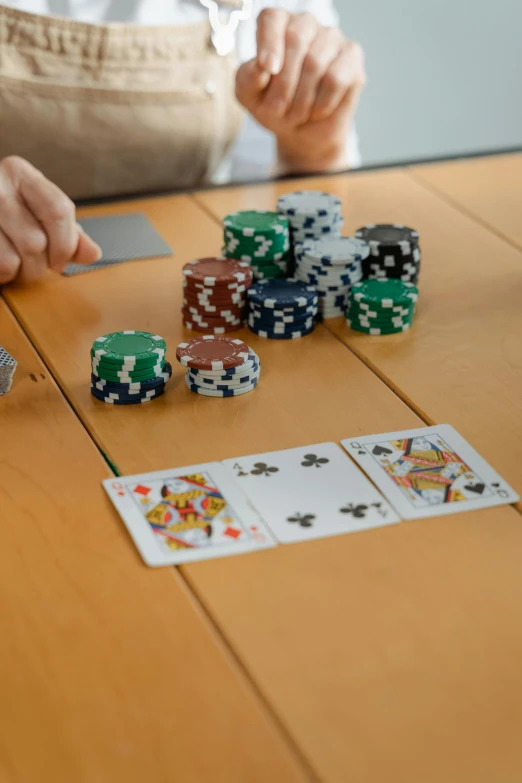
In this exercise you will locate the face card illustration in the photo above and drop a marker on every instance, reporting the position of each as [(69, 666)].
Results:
[(429, 471), (193, 513), (310, 492)]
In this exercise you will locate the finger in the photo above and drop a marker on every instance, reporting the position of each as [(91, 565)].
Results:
[(10, 261), (56, 213), (346, 73), (17, 223), (87, 251), (271, 29), (300, 32), (250, 83), (322, 53)]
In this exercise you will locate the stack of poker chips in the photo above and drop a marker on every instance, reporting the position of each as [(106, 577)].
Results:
[(394, 253), (282, 309), (129, 367), (7, 368), (332, 265), (381, 306), (214, 294), (260, 238), (219, 366), (312, 215)]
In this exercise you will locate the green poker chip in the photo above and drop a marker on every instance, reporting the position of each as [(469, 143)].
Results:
[(129, 349), (386, 293), (376, 330), (124, 376), (252, 222), (371, 316)]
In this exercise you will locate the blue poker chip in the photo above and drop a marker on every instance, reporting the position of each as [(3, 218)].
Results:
[(134, 400), (269, 317), (228, 383), (101, 385), (280, 292), (208, 392), (286, 336), (122, 395)]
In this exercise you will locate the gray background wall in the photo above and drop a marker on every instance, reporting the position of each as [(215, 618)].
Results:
[(445, 77)]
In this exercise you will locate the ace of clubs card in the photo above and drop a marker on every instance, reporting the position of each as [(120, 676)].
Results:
[(429, 471), (188, 514), (310, 492)]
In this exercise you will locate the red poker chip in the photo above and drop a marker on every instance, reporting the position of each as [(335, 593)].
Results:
[(215, 270), (218, 304), (213, 313), (212, 353), (226, 307), (214, 330), (226, 290), (203, 320)]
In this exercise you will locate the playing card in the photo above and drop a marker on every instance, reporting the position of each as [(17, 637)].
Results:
[(429, 471), (7, 368), (310, 492), (192, 513), (122, 238)]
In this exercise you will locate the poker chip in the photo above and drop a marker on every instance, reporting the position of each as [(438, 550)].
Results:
[(332, 266), (129, 349), (394, 252), (207, 392), (136, 387), (312, 215), (212, 353), (259, 238), (282, 308), (214, 295), (219, 366), (381, 307), (133, 401), (129, 367), (8, 366)]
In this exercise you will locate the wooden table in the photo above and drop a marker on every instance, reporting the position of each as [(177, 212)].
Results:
[(390, 655)]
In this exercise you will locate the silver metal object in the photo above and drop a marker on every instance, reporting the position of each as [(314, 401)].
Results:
[(224, 33)]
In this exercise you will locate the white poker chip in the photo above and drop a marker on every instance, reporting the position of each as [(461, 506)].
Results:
[(309, 202)]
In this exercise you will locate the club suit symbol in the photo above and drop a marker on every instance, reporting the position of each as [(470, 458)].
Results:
[(303, 520), (262, 469), (312, 460)]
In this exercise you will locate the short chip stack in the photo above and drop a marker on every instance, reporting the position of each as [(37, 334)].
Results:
[(7, 368), (260, 238), (219, 366), (312, 215), (381, 306), (129, 367), (214, 294), (332, 265), (282, 309), (394, 252)]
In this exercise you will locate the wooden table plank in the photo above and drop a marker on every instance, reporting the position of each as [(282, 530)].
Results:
[(109, 671), (489, 189), (462, 361), (391, 654)]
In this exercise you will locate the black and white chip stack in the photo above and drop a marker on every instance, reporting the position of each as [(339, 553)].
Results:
[(394, 252), (7, 368), (312, 215), (332, 265)]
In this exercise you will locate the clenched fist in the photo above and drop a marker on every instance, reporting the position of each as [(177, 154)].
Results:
[(304, 86), (38, 229)]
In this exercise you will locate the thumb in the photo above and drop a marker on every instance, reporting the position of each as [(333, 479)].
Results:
[(87, 250), (251, 81)]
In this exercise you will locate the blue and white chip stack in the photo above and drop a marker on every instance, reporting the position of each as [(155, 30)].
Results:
[(312, 215), (282, 309), (332, 265)]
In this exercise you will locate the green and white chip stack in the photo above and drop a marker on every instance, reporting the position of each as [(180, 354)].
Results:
[(129, 367), (381, 306), (261, 238)]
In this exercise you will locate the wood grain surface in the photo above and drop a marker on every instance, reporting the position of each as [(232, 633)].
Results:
[(488, 189), (109, 671), (392, 654)]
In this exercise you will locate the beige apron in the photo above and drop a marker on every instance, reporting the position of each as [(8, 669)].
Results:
[(113, 109)]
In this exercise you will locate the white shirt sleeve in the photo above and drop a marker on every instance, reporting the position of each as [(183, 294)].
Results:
[(253, 155)]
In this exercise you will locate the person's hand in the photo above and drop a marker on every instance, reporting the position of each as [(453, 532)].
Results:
[(38, 229), (304, 86)]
